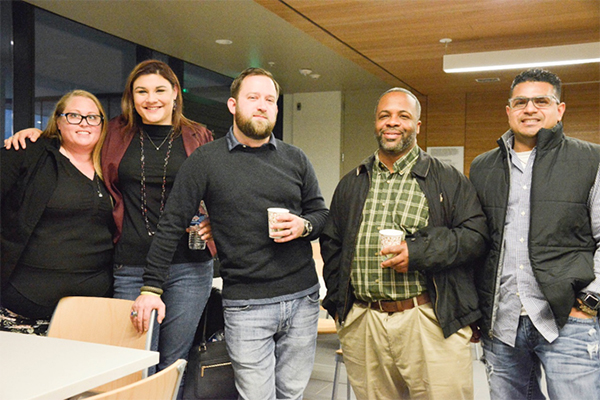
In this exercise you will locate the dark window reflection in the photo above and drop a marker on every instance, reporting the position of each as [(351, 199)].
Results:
[(205, 95)]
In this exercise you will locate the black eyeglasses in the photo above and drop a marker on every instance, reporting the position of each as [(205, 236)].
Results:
[(75, 119), (518, 103)]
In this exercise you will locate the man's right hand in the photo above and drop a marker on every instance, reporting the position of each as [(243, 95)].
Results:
[(19, 138)]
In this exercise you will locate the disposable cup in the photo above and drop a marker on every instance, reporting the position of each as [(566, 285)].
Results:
[(273, 213), (390, 237)]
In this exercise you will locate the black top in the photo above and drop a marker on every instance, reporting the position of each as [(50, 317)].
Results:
[(238, 186), (70, 250), (135, 241)]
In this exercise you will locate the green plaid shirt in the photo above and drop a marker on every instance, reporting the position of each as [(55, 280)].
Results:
[(395, 201)]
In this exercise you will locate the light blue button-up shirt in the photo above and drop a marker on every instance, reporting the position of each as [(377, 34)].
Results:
[(519, 290)]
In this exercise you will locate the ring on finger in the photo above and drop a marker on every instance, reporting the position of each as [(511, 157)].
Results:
[(134, 313)]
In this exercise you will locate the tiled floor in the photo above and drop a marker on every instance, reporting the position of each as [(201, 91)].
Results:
[(321, 382)]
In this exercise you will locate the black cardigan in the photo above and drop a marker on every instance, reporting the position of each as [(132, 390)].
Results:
[(28, 181)]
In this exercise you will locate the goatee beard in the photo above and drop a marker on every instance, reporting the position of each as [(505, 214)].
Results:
[(400, 147)]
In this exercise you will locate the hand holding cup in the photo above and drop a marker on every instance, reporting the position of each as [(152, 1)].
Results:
[(274, 213), (390, 237)]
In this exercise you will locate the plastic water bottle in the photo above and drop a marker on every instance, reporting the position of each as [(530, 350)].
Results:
[(195, 242)]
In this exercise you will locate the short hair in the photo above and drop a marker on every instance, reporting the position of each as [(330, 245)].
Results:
[(537, 75), (237, 82), (149, 67), (52, 131), (405, 91)]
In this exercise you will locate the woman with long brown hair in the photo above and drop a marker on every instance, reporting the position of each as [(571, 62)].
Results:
[(143, 151)]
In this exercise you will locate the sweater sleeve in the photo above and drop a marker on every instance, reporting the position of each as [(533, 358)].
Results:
[(14, 164), (182, 204)]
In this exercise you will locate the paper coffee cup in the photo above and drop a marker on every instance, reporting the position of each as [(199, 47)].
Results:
[(273, 213), (390, 237)]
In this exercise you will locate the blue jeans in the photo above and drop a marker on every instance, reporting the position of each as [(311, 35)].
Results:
[(186, 292), (272, 347), (571, 363)]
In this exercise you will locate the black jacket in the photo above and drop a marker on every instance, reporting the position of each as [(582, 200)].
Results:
[(28, 181), (444, 252), (561, 245)]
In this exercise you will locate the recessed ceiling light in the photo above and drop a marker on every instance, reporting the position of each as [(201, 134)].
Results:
[(223, 41), (315, 76), (305, 71)]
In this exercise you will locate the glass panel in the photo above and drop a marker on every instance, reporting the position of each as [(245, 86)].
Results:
[(70, 56), (205, 95), (6, 68)]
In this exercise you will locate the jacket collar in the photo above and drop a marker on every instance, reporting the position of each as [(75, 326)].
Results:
[(546, 138)]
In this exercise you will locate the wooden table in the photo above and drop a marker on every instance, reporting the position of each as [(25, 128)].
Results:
[(36, 367)]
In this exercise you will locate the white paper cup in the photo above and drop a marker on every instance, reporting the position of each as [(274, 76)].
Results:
[(273, 213), (390, 237)]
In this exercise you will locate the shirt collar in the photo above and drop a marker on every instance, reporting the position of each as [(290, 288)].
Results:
[(232, 141), (402, 165)]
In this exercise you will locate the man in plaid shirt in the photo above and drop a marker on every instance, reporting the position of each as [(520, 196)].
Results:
[(404, 321)]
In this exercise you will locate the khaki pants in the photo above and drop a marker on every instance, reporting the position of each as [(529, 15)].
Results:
[(404, 355)]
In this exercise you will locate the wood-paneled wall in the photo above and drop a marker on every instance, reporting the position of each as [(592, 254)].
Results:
[(477, 120)]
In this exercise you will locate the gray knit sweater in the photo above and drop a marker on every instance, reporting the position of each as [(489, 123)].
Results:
[(238, 184)]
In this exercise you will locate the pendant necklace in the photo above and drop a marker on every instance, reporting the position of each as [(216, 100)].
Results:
[(144, 207), (98, 185), (154, 144)]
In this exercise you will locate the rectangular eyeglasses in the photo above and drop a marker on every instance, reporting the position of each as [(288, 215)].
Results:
[(75, 119), (518, 103)]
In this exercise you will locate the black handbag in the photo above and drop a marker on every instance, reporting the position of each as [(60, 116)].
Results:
[(209, 373)]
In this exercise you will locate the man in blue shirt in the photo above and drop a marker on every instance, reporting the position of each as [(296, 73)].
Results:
[(539, 286)]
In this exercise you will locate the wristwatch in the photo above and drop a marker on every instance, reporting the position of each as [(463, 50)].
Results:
[(307, 228), (588, 303)]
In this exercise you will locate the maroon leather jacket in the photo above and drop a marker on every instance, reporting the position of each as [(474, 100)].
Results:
[(114, 148)]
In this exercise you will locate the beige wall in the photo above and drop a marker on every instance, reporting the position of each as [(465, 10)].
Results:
[(313, 122)]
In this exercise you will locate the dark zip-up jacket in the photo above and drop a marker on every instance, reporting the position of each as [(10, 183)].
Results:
[(561, 244), (445, 251)]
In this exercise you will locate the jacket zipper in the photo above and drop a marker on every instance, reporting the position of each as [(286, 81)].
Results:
[(500, 264), (437, 295)]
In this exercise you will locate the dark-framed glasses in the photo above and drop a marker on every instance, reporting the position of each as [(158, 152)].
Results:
[(518, 103), (75, 119)]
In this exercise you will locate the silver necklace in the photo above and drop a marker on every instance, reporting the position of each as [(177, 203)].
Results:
[(154, 144), (144, 207)]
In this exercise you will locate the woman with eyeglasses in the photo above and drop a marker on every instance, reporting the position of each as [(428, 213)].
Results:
[(57, 224), (144, 148)]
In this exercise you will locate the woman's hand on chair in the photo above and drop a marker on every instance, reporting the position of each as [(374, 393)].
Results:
[(142, 309)]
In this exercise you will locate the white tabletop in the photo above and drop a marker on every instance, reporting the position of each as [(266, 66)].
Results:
[(37, 367)]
